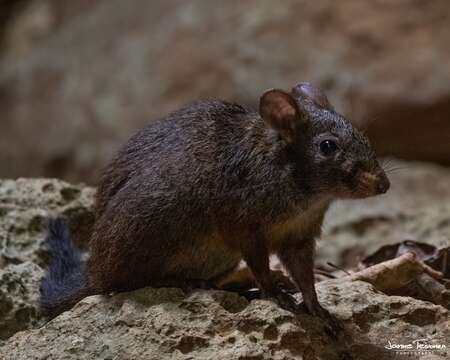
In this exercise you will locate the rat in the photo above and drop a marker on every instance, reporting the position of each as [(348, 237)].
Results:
[(192, 194)]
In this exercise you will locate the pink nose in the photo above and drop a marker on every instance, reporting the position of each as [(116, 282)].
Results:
[(371, 184)]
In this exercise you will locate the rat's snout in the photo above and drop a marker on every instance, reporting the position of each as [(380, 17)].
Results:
[(370, 184)]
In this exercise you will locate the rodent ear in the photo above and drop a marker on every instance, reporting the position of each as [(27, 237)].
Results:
[(281, 111), (305, 90)]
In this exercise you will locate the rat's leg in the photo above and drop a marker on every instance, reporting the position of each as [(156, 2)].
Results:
[(298, 258), (256, 255)]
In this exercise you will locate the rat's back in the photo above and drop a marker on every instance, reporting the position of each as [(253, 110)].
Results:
[(179, 151)]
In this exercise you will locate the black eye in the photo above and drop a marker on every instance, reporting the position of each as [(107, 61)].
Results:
[(328, 147)]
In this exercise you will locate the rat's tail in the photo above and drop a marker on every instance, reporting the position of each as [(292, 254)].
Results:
[(65, 282)]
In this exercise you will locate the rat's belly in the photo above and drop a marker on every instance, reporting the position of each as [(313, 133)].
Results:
[(205, 259)]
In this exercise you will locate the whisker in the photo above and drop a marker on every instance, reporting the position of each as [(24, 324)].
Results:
[(396, 169)]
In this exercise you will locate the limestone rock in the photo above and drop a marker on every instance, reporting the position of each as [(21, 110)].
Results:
[(19, 286), (165, 323)]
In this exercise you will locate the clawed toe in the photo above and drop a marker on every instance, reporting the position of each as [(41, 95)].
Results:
[(332, 326)]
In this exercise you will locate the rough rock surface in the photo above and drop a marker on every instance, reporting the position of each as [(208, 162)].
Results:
[(80, 93), (19, 286), (24, 207), (166, 323)]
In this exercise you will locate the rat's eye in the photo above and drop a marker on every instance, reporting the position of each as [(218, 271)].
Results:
[(328, 147)]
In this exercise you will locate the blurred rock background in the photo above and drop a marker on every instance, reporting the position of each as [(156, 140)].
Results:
[(78, 77)]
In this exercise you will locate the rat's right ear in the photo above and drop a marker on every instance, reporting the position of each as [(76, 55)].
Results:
[(281, 111)]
